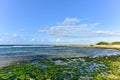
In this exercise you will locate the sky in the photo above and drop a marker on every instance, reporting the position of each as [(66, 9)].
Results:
[(59, 21)]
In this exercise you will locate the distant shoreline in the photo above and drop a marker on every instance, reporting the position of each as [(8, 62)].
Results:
[(90, 46)]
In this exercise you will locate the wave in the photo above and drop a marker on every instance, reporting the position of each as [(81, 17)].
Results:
[(107, 52), (31, 46), (21, 46)]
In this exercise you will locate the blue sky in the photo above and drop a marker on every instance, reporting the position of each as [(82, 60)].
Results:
[(59, 21)]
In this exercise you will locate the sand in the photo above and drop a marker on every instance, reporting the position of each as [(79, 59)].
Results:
[(92, 46)]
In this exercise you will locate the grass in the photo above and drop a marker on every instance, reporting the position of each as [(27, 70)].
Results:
[(102, 68)]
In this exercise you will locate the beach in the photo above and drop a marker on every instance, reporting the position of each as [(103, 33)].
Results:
[(91, 46)]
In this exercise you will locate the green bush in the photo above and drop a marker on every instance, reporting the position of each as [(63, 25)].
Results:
[(103, 43), (115, 43)]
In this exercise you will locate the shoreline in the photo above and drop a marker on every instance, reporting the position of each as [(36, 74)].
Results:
[(89, 46)]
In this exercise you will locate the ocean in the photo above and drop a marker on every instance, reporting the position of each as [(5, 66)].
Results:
[(15, 53)]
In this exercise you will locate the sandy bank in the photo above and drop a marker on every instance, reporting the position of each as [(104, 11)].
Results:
[(92, 46)]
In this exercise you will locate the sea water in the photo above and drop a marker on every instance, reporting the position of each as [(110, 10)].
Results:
[(12, 53)]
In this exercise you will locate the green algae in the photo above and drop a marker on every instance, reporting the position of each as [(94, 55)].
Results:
[(99, 68)]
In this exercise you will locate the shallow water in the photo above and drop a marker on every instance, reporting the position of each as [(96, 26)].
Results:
[(13, 53)]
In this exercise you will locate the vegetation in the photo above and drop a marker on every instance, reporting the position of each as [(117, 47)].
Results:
[(102, 68), (106, 43), (103, 43), (115, 43)]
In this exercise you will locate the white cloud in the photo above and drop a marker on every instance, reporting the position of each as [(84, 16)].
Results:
[(57, 40), (36, 40), (65, 30), (70, 27), (33, 40), (69, 21), (15, 35), (107, 33), (60, 40)]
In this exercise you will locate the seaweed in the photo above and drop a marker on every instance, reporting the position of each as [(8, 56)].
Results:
[(87, 68)]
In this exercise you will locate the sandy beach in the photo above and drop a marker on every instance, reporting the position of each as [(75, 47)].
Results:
[(91, 46)]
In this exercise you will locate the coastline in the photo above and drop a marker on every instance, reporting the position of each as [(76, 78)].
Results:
[(89, 46)]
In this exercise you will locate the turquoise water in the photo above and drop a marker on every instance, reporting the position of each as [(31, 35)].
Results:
[(13, 53)]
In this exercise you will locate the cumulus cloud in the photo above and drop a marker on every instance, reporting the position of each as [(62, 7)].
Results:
[(70, 21), (65, 29), (70, 27)]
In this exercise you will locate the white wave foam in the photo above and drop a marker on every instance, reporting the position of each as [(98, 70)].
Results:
[(30, 46), (107, 52)]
